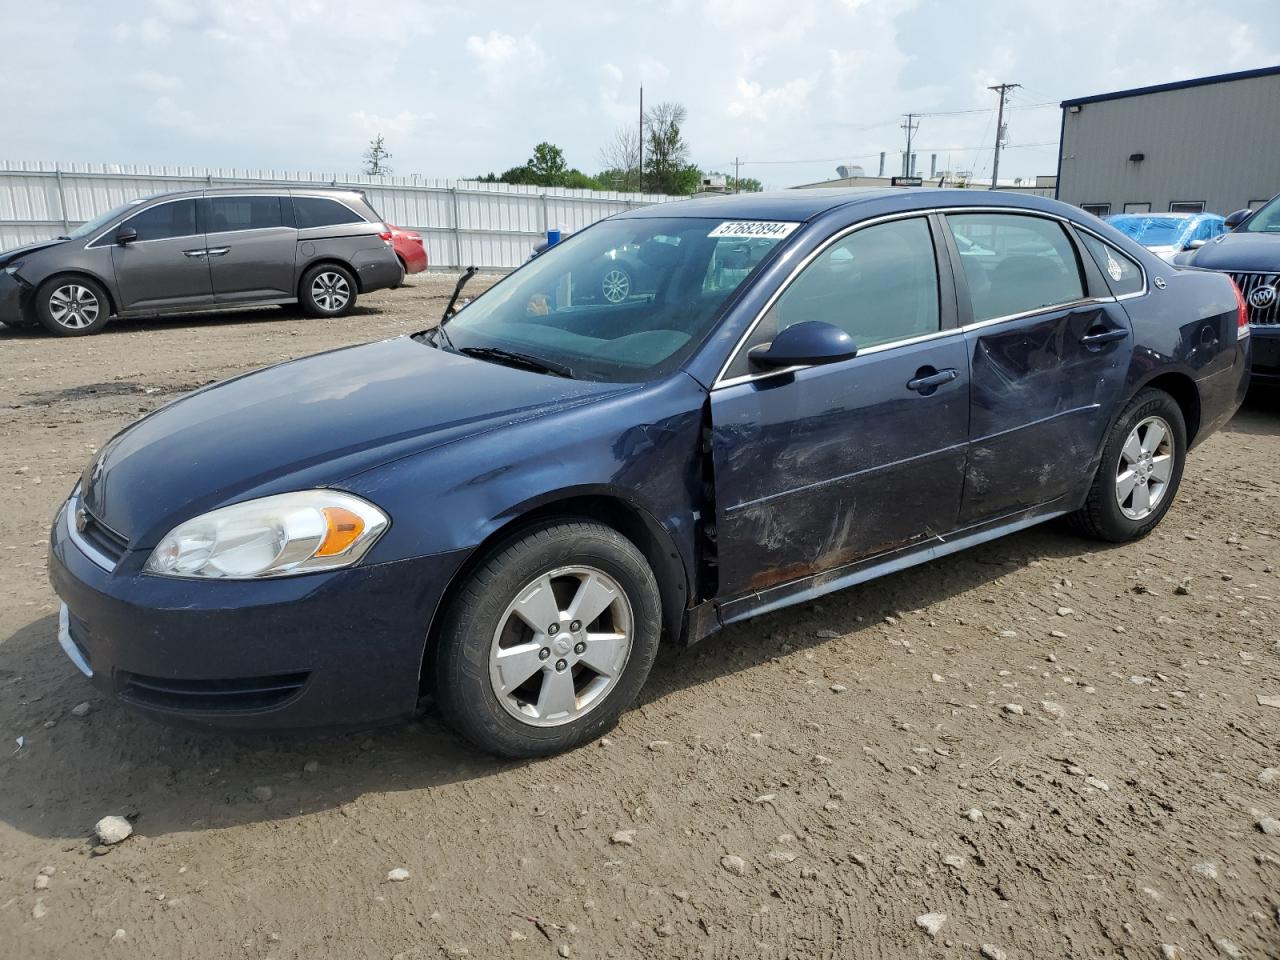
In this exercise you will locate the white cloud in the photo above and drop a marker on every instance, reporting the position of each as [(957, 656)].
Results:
[(503, 56), (156, 82), (755, 102)]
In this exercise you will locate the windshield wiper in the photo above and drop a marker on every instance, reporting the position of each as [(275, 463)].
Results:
[(513, 359), (462, 282)]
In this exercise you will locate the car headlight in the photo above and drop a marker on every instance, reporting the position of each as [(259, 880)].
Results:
[(278, 536)]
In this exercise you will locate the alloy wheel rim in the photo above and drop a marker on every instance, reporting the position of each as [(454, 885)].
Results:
[(616, 285), (330, 290), (74, 306), (561, 646), (1145, 468)]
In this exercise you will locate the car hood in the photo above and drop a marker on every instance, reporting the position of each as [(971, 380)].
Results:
[(1241, 252), (17, 253), (308, 423)]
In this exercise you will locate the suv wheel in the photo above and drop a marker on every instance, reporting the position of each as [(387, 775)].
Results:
[(327, 290), (72, 306)]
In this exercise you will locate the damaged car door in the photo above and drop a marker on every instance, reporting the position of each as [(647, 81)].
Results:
[(820, 465)]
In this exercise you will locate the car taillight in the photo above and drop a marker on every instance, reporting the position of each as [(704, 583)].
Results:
[(1242, 313), (385, 234)]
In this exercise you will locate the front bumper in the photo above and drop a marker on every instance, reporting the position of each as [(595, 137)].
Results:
[(1266, 353), (333, 650), (13, 300)]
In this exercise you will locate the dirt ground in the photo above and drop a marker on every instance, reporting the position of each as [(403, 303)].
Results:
[(1057, 745)]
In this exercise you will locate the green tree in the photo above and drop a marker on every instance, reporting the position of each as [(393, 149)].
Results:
[(548, 164), (376, 157), (666, 163)]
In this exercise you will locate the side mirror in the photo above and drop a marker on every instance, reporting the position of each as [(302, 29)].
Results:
[(810, 342), (126, 235), (1235, 219), (1194, 245)]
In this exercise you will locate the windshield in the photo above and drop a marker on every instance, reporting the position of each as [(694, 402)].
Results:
[(100, 221), (625, 300), (1266, 220), (1154, 231)]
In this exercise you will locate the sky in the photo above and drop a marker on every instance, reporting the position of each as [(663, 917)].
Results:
[(790, 87)]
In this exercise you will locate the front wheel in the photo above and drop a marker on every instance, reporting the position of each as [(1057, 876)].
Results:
[(327, 290), (1141, 468), (72, 306), (549, 640)]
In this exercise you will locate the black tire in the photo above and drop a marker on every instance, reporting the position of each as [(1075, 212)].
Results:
[(464, 692), (327, 290), (404, 272), (72, 306), (1102, 515)]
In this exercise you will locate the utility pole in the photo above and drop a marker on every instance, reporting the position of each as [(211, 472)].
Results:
[(910, 126), (735, 174), (1002, 89), (640, 140)]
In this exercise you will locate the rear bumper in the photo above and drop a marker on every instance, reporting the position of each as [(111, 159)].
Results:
[(377, 269), (414, 256), (329, 650)]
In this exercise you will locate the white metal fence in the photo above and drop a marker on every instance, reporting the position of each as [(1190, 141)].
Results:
[(463, 222)]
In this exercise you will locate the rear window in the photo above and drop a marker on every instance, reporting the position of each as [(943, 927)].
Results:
[(322, 212), (243, 213), (1123, 275)]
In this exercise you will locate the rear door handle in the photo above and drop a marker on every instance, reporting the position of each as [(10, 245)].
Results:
[(926, 383), (217, 251), (1104, 336), (194, 253)]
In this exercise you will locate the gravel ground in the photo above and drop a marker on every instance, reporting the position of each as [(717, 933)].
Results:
[(1039, 748)]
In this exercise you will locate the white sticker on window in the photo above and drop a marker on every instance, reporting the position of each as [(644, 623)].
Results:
[(1114, 268), (764, 229)]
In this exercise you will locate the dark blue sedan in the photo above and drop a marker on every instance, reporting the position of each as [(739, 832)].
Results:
[(512, 510)]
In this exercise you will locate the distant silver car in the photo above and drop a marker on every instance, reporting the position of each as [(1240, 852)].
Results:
[(199, 250)]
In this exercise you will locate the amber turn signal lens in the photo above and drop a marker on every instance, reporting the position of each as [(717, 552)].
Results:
[(344, 527)]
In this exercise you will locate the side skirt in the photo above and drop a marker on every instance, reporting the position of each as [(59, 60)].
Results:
[(817, 585)]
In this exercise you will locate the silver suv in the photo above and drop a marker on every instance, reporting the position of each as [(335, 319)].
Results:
[(199, 250)]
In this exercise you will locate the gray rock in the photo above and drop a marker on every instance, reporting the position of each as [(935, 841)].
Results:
[(262, 793), (838, 688), (111, 830), (954, 861), (992, 952), (397, 875), (311, 766), (1269, 775), (931, 923), (41, 882), (1053, 709), (1206, 869), (1170, 952), (623, 838), (1270, 826), (1014, 708), (1228, 948), (734, 864), (828, 635), (1065, 611), (973, 814), (81, 709), (39, 911)]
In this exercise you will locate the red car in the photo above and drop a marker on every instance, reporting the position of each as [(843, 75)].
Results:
[(409, 248)]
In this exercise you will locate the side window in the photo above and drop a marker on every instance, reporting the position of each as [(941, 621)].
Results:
[(322, 212), (1122, 273), (165, 220), (1097, 209), (878, 284), (242, 213), (1015, 263)]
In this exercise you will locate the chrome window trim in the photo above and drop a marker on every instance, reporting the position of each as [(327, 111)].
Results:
[(721, 381), (144, 209), (89, 550)]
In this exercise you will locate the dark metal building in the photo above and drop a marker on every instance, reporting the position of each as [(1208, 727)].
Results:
[(1209, 144)]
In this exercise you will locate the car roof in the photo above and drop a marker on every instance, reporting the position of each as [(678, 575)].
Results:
[(810, 203), (268, 188)]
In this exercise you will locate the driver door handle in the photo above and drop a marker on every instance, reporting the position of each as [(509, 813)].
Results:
[(195, 253), (1104, 336), (927, 384)]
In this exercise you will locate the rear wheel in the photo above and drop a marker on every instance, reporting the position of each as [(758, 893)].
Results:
[(1140, 471), (72, 306), (549, 640), (327, 290)]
